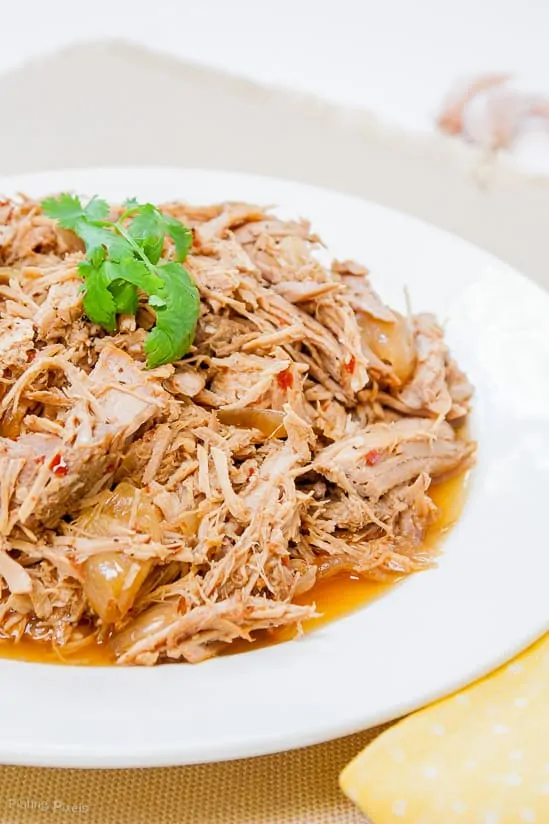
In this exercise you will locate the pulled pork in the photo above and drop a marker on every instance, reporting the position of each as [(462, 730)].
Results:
[(171, 511)]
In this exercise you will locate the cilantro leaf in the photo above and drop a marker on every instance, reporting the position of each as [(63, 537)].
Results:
[(181, 235), (176, 321), (68, 210), (130, 204), (125, 297), (97, 209), (97, 238), (111, 289), (148, 230), (124, 256), (99, 302)]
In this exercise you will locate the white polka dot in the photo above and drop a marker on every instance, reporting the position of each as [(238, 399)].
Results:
[(545, 789), (546, 768), (459, 807), (528, 815), (438, 729), (352, 794), (470, 764), (430, 771), (515, 668), (513, 779), (399, 808), (520, 702), (500, 729), (398, 755), (491, 818), (463, 699), (516, 755)]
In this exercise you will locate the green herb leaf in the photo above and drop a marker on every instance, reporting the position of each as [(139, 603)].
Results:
[(98, 238), (124, 256), (181, 235), (148, 230), (130, 204), (176, 321), (125, 297), (97, 209), (99, 303), (68, 210), (155, 300)]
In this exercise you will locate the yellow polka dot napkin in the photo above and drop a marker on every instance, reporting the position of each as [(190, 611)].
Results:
[(478, 757)]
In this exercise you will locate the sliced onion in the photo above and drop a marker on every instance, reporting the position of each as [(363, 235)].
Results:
[(113, 579), (334, 565), (115, 509), (393, 343), (111, 583), (152, 620), (270, 422)]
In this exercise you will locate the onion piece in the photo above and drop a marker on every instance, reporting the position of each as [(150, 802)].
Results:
[(152, 620), (392, 342), (120, 509), (269, 422), (113, 579), (111, 583)]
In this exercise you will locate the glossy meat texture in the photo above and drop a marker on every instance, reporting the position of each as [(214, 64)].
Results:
[(174, 510)]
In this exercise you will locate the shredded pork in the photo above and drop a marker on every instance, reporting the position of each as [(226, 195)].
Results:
[(169, 512)]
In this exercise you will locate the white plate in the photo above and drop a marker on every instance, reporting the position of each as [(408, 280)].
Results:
[(486, 600)]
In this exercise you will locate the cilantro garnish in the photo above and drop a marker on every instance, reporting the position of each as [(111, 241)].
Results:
[(124, 255)]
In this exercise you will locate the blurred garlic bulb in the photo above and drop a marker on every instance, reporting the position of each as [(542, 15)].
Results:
[(489, 112), (451, 117)]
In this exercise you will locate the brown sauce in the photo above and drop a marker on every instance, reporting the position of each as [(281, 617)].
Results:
[(334, 597)]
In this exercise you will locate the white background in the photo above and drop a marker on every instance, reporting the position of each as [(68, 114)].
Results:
[(395, 57)]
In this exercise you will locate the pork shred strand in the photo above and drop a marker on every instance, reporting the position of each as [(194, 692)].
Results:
[(297, 439)]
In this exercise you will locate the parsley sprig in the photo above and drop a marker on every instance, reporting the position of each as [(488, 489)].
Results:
[(123, 256)]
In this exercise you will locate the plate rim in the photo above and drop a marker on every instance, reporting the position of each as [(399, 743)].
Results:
[(32, 754)]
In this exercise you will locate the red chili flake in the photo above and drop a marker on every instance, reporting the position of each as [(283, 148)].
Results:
[(31, 354), (373, 457), (285, 379), (251, 471), (350, 365), (111, 467), (58, 465), (40, 459)]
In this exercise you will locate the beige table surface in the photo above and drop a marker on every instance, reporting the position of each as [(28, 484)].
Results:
[(298, 787)]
